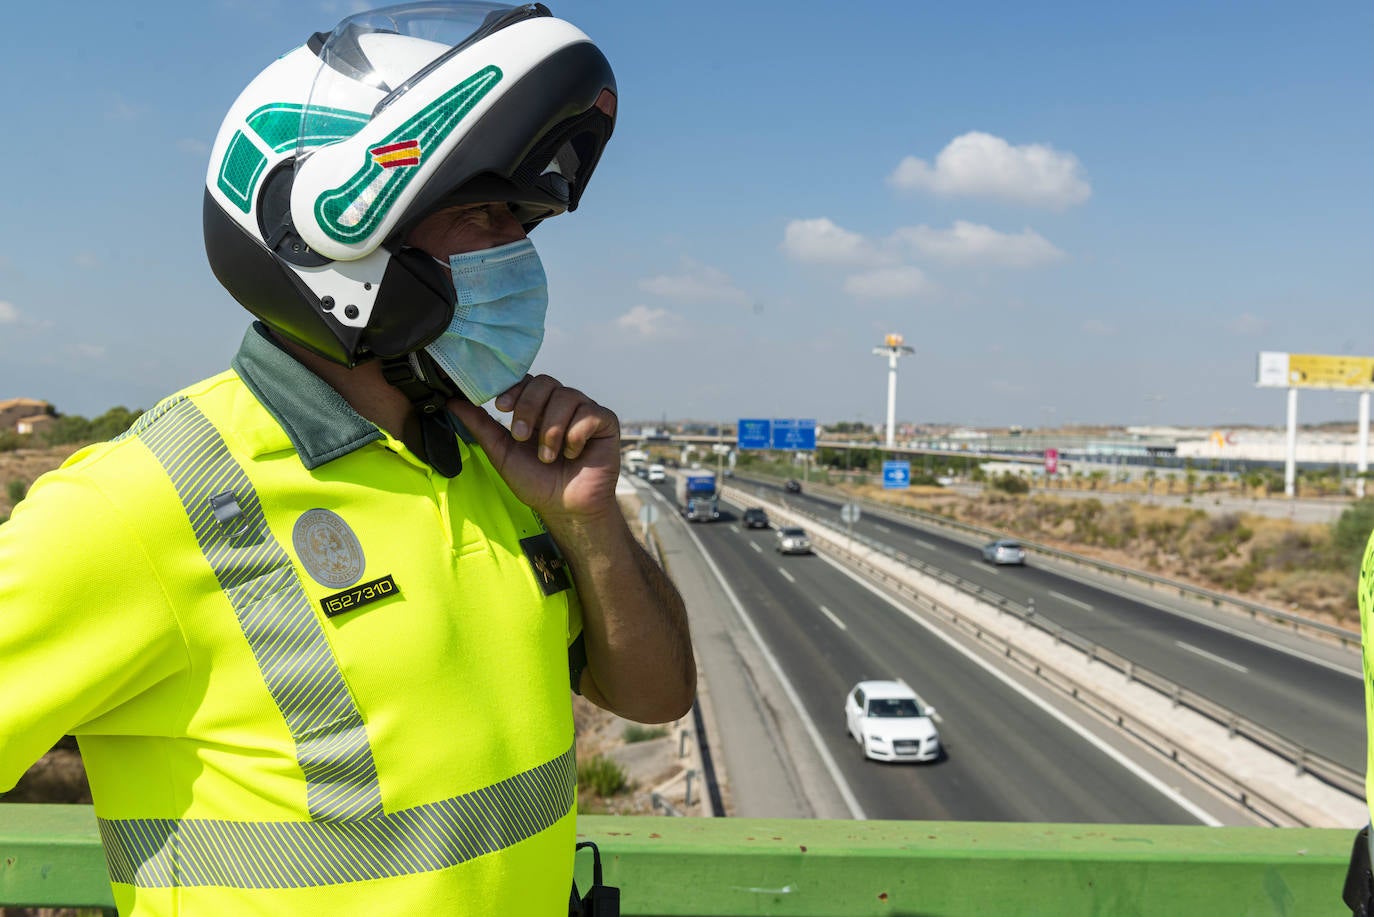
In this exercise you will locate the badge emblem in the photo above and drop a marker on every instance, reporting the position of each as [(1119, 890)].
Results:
[(550, 569), (328, 549)]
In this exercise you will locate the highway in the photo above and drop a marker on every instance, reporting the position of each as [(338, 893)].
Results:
[(1297, 694), (1008, 758)]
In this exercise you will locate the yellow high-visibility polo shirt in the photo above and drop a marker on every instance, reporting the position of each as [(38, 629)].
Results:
[(308, 674), (1365, 597)]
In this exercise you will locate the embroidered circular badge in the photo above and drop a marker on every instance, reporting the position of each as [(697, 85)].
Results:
[(328, 549)]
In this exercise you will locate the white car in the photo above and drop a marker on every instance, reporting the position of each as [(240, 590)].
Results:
[(1004, 551), (793, 540), (891, 723), (657, 474)]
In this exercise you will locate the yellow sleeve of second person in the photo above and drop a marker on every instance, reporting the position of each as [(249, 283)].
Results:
[(1366, 601), (88, 639)]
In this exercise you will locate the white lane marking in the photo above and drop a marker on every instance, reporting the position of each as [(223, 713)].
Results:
[(787, 576), (855, 810), (993, 570), (882, 528), (755, 546), (1064, 598), (834, 620), (1149, 779), (1212, 656), (925, 544)]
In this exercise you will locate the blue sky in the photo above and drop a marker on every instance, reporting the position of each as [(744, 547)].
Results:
[(1075, 213)]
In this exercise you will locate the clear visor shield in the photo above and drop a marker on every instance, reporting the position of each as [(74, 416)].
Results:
[(369, 60)]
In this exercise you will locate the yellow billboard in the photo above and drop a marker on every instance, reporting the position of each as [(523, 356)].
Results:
[(1311, 370)]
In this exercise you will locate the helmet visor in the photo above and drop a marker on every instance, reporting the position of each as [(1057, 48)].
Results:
[(369, 59)]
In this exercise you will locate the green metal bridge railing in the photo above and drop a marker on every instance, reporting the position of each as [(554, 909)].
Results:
[(50, 856)]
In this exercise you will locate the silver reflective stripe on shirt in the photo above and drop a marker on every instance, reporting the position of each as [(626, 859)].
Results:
[(163, 852), (273, 610)]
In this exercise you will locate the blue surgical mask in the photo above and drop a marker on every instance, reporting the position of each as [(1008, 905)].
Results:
[(498, 324)]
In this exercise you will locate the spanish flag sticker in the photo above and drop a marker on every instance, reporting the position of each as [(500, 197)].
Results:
[(392, 155)]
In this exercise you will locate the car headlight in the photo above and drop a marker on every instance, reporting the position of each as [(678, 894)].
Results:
[(877, 740)]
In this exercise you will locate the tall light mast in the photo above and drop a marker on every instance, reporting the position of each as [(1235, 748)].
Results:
[(892, 349)]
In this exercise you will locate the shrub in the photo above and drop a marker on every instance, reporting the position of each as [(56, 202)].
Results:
[(634, 732), (15, 490), (602, 776), (1011, 484), (1350, 533)]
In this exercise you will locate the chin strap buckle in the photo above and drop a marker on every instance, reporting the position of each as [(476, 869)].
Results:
[(600, 900), (438, 438), (405, 374)]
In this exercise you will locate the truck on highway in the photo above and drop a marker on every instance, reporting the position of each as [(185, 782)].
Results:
[(636, 461), (698, 495)]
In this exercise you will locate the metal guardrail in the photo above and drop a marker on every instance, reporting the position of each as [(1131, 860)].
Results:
[(1306, 761)]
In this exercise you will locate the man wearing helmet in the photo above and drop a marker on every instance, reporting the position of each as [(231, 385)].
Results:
[(317, 617)]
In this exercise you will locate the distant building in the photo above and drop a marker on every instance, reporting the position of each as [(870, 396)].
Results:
[(35, 424), (27, 411)]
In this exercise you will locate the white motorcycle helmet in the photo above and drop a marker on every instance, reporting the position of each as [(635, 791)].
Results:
[(341, 146)]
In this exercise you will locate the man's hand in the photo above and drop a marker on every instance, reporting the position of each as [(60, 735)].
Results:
[(561, 456)]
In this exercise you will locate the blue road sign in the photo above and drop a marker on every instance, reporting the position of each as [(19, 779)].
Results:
[(754, 434), (798, 435), (896, 474)]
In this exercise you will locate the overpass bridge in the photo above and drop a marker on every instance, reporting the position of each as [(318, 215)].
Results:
[(50, 856)]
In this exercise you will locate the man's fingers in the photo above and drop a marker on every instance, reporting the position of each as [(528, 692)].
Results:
[(559, 412), (527, 409), (590, 421), (488, 432), (507, 399)]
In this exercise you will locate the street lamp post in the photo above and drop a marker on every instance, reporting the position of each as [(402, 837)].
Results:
[(892, 349)]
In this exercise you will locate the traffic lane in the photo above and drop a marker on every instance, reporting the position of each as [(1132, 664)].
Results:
[(1008, 759), (1306, 702), (1023, 760)]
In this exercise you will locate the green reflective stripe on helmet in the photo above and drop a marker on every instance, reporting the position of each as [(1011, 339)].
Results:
[(274, 612), (353, 210), (167, 852), (279, 125), (239, 172)]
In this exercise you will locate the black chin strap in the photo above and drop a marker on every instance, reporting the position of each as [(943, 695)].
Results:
[(438, 440)]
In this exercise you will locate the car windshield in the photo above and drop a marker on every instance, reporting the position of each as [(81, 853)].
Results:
[(793, 533), (893, 707), (1008, 544)]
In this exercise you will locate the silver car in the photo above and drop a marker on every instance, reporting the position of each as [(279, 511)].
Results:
[(793, 540), (1004, 551)]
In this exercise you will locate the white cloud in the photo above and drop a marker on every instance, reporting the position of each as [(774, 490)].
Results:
[(1248, 325), (982, 165), (8, 313), (87, 351), (974, 243), (888, 283), (87, 261), (194, 146), (696, 283), (650, 323), (820, 241), (1098, 327), (121, 109)]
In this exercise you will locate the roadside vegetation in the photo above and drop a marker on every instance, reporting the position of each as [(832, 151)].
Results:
[(26, 456)]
